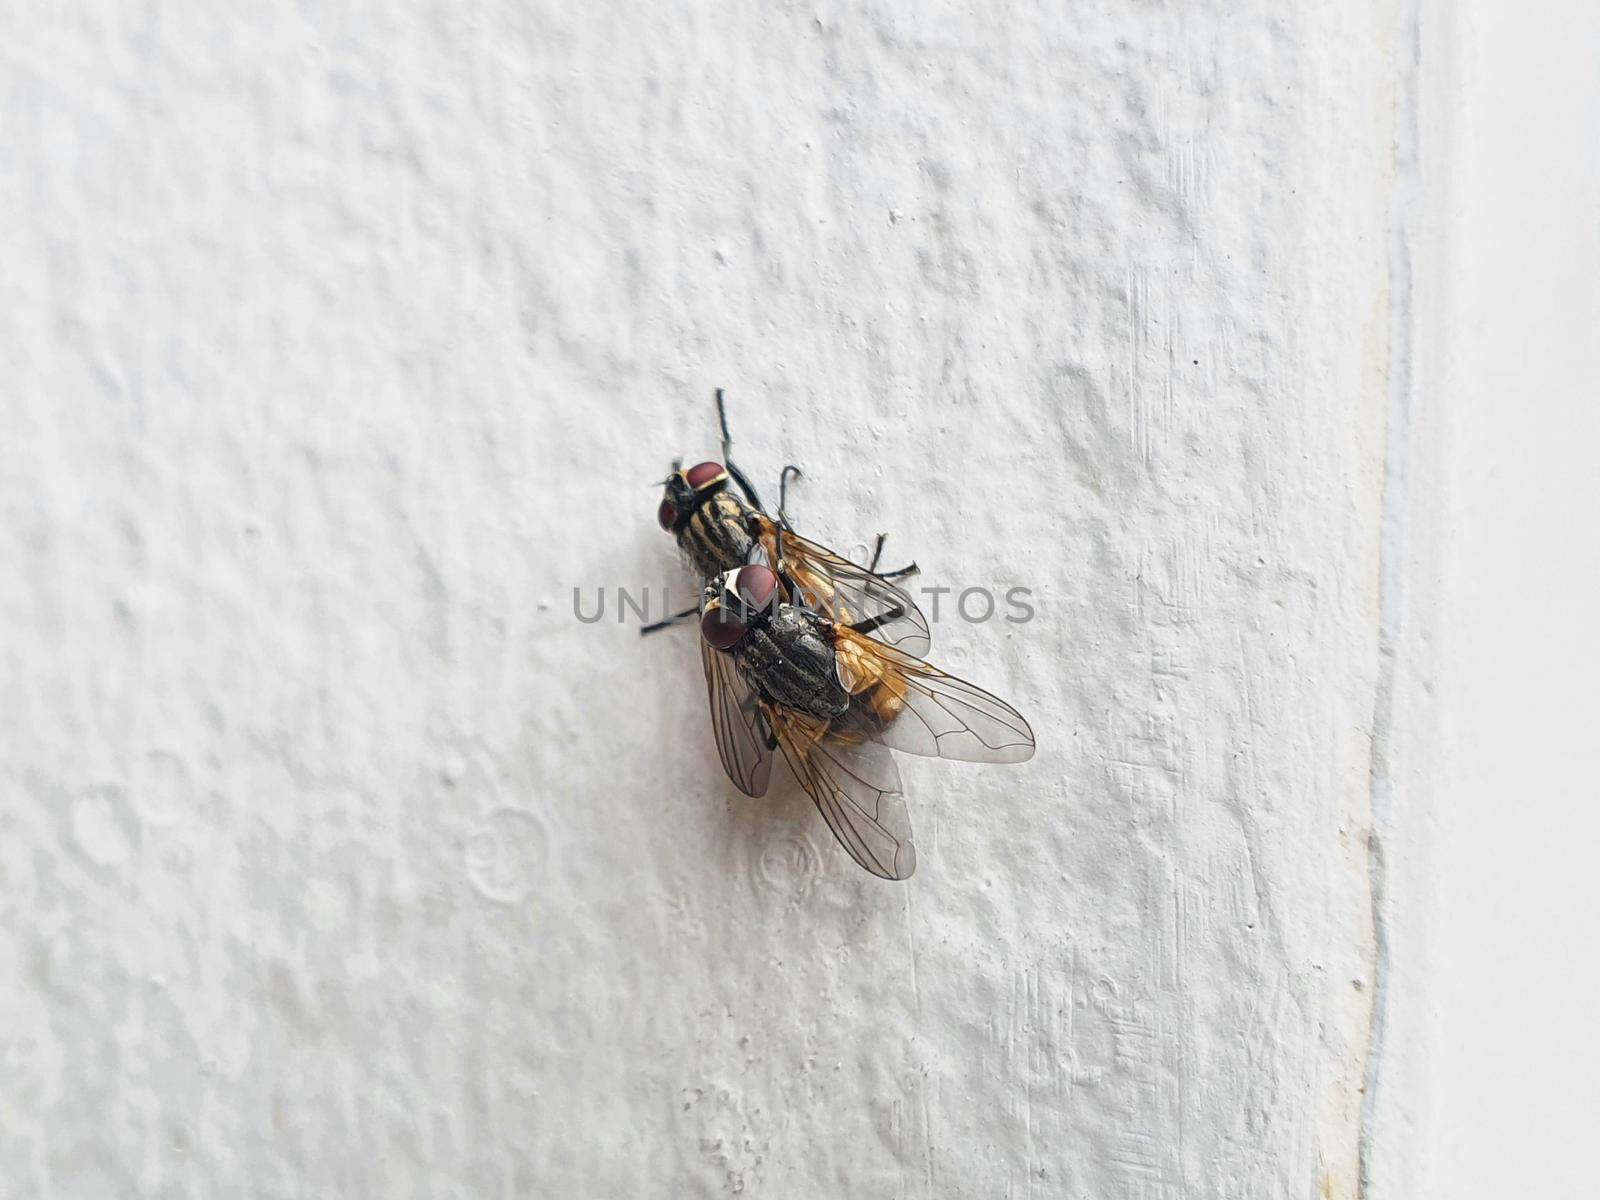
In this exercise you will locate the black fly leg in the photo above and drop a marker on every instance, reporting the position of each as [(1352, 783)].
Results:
[(877, 553), (783, 516), (674, 619), (722, 420), (744, 485), (783, 494), (737, 475)]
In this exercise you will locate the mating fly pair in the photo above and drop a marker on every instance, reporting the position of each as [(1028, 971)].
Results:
[(805, 651)]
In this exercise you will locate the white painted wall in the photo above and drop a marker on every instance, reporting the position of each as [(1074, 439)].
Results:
[(338, 859), (1510, 1095)]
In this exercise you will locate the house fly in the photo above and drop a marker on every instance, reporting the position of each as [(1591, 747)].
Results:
[(838, 700), (720, 529)]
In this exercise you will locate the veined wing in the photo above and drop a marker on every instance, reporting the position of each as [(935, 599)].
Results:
[(855, 785), (919, 709), (849, 594), (744, 739)]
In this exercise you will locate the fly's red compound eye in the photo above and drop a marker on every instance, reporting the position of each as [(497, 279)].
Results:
[(722, 628), (703, 475), (755, 585), (667, 514)]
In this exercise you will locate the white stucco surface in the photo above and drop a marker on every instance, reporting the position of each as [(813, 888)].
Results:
[(341, 345)]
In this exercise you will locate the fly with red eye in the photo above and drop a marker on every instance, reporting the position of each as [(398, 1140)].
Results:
[(698, 484), (776, 608), (717, 519), (837, 701), (726, 616)]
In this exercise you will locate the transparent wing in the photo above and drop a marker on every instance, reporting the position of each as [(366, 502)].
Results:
[(856, 786), (919, 709), (851, 595), (744, 740)]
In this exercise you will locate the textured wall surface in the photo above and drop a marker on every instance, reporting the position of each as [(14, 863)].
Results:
[(340, 346)]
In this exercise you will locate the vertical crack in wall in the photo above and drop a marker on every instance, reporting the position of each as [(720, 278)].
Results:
[(1391, 579)]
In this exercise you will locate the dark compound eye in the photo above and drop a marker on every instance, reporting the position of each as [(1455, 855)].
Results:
[(722, 628), (755, 585), (703, 475), (667, 514)]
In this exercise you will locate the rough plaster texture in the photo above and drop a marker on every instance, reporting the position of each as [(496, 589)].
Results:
[(340, 345)]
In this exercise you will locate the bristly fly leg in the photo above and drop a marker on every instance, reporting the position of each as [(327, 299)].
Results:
[(744, 485), (873, 624), (877, 552), (897, 573), (737, 475), (783, 518), (783, 493), (791, 469), (674, 619)]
